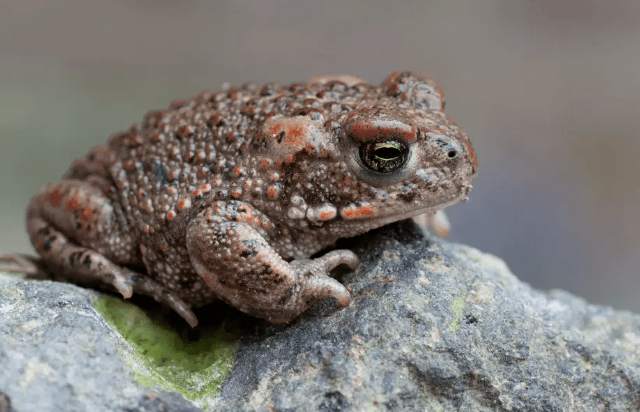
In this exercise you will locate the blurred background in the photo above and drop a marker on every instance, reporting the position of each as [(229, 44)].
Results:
[(548, 91)]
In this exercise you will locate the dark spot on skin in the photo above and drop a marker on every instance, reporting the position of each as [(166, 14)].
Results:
[(47, 244), (187, 283), (267, 90), (407, 196), (280, 137), (160, 172), (74, 257), (286, 297), (259, 142), (122, 217)]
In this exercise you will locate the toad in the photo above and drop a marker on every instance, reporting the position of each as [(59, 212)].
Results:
[(227, 194)]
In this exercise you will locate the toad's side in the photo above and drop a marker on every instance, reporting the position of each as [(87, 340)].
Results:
[(227, 194)]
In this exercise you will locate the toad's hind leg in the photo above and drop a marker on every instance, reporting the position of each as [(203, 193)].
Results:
[(228, 248), (82, 237)]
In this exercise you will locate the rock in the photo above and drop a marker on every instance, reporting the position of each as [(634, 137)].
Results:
[(432, 326), (58, 354)]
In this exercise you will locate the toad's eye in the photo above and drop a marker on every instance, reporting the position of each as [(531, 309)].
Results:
[(384, 157)]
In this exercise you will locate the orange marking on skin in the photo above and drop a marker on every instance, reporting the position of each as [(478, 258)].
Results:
[(351, 213), (171, 215), (366, 211), (367, 131), (54, 198), (364, 131), (209, 281), (393, 78), (236, 193), (276, 129), (358, 212), (279, 164), (327, 215), (289, 159), (272, 192), (73, 204), (86, 213), (265, 163), (249, 219), (472, 154), (295, 135), (184, 204), (236, 171)]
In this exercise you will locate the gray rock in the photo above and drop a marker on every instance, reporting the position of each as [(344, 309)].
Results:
[(432, 326), (58, 354)]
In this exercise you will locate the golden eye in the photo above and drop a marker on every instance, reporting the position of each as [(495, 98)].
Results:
[(384, 157)]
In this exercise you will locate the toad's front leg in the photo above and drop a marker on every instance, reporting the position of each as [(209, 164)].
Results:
[(227, 247)]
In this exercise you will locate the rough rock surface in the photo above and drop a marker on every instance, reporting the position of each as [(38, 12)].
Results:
[(432, 326), (58, 354)]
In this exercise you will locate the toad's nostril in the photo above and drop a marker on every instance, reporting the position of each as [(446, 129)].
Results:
[(452, 154)]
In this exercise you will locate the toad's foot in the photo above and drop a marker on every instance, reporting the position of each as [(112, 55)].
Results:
[(437, 221), (228, 249)]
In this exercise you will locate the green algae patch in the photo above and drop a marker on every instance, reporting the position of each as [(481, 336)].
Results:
[(457, 306), (195, 369)]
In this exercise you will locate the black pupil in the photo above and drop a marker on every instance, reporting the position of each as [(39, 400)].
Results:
[(384, 157), (387, 153)]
